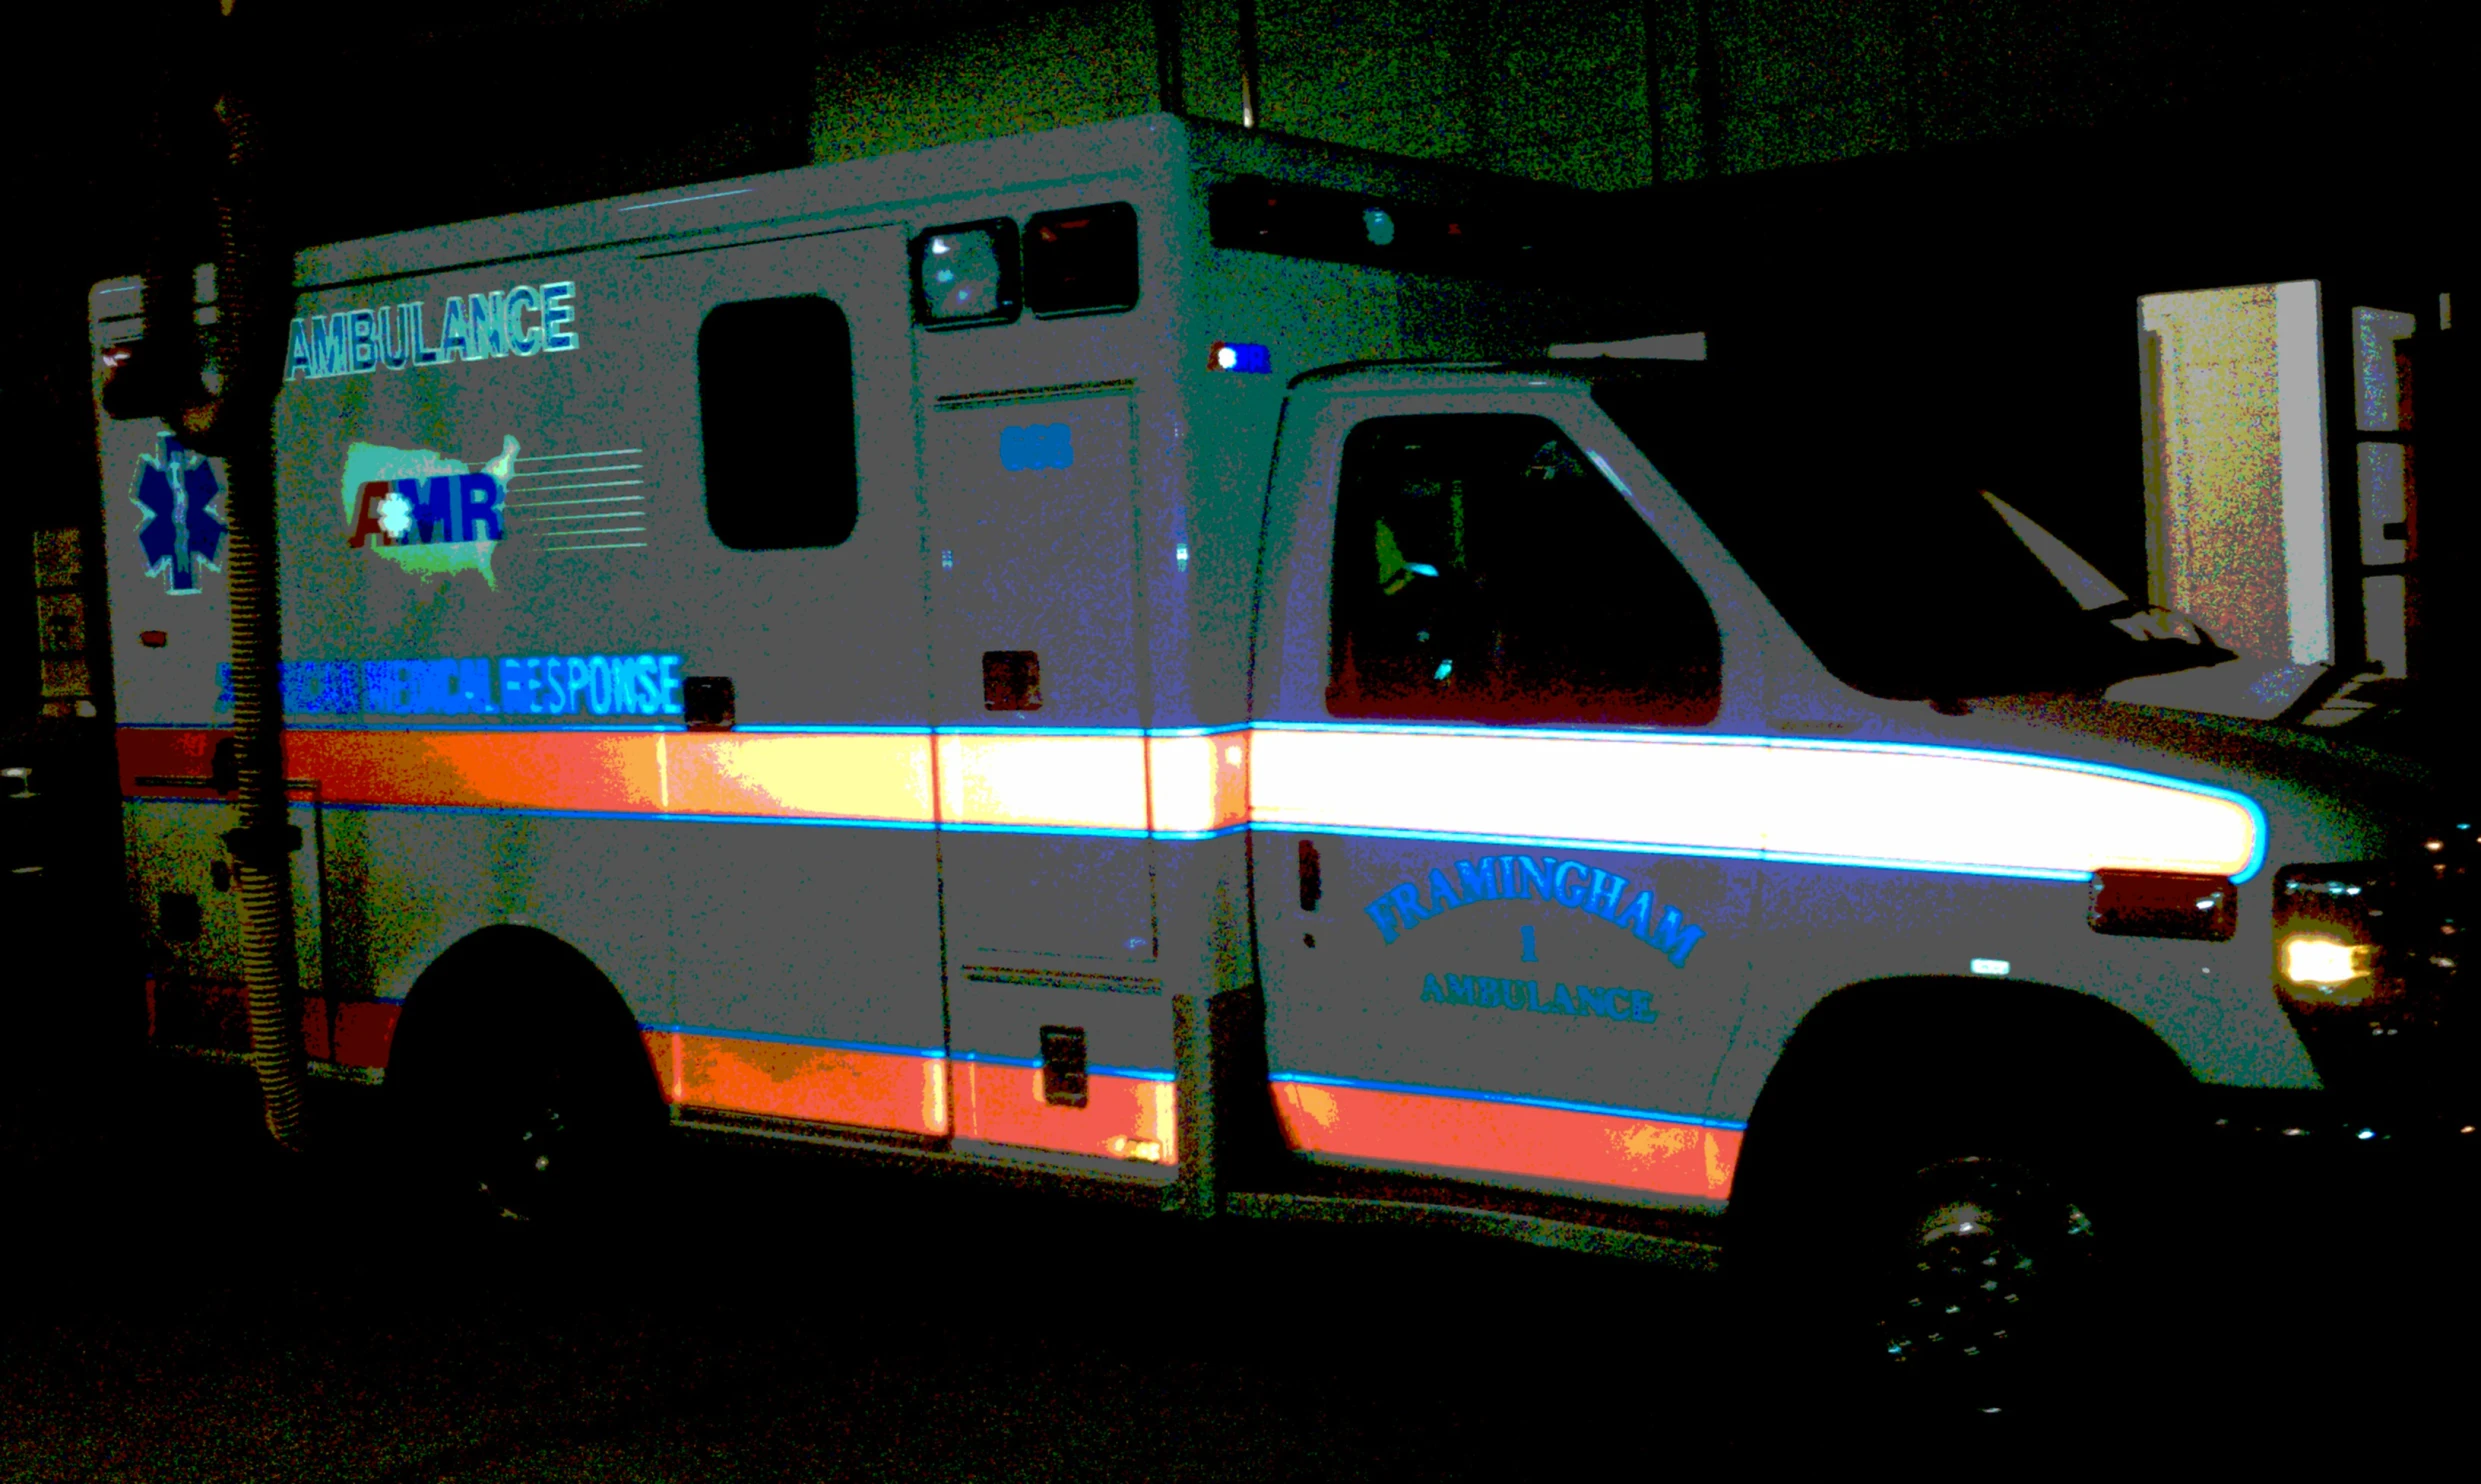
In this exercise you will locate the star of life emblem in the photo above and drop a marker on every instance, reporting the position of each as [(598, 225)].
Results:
[(179, 534)]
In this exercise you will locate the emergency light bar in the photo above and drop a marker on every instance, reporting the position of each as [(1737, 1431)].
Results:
[(965, 275), (1300, 221), (1227, 356), (1079, 261)]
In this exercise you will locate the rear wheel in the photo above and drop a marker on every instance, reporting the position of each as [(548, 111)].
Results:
[(544, 1135), (524, 1093)]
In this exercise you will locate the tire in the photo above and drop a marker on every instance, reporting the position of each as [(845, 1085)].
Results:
[(524, 1094), (1936, 1239)]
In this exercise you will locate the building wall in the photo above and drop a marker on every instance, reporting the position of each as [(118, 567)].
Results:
[(1537, 88), (1552, 89)]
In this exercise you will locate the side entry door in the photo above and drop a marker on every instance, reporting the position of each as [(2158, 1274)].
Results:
[(1494, 719), (776, 389), (1058, 1026)]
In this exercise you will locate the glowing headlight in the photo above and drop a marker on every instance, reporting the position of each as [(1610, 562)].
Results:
[(2327, 934), (2323, 961)]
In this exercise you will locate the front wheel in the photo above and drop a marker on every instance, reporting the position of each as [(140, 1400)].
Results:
[(1985, 1269), (1968, 1264)]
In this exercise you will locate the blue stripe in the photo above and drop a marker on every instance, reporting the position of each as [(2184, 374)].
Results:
[(1712, 852), (1135, 1074), (1644, 1115), (1547, 842), (496, 723), (619, 814), (201, 797), (1544, 842), (932, 1053)]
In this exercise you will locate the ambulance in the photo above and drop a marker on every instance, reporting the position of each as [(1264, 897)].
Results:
[(1177, 661)]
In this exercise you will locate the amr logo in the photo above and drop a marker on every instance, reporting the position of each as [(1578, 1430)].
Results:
[(426, 513)]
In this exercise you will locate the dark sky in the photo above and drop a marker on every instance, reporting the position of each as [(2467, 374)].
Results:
[(387, 115), (376, 117)]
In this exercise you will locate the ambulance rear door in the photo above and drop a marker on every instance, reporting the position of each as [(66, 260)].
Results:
[(774, 382), (1501, 895)]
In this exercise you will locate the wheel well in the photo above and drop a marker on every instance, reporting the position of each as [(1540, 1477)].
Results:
[(2039, 1034), (507, 987)]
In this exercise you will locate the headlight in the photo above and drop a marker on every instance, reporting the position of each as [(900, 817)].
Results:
[(2328, 921), (2367, 955), (2311, 961)]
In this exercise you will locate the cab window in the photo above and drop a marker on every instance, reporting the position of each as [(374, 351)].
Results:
[(1486, 571)]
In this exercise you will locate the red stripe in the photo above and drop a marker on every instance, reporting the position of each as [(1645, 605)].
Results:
[(1445, 1132), (816, 1084), (213, 1015), (1126, 1118), (488, 770)]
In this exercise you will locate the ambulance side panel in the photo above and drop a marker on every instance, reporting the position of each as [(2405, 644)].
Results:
[(763, 898)]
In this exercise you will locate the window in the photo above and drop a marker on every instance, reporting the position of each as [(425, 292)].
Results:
[(1082, 261), (775, 414), (1485, 572), (1870, 529)]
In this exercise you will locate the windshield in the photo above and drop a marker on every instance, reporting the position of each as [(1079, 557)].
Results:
[(1907, 578)]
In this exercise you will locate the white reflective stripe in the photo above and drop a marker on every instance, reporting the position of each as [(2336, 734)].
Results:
[(1907, 807), (1036, 780), (1655, 792), (1844, 803), (1984, 811), (852, 775), (1200, 783)]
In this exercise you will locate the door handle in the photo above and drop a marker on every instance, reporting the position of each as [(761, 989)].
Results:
[(1312, 888)]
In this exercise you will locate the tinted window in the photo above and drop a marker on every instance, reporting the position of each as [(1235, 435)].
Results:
[(1082, 261), (1484, 571), (775, 413), (1866, 526)]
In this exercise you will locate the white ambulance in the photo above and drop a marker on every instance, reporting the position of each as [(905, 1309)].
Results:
[(1148, 653)]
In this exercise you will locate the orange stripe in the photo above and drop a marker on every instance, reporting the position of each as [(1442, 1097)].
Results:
[(816, 1084), (1450, 1133), (835, 775), (1124, 1117), (1183, 784), (1025, 780)]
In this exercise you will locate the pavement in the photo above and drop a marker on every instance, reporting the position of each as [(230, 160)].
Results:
[(192, 1303)]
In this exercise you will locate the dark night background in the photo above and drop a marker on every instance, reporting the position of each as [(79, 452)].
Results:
[(1956, 203)]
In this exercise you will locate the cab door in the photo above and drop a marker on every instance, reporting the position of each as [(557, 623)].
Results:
[(1501, 913)]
